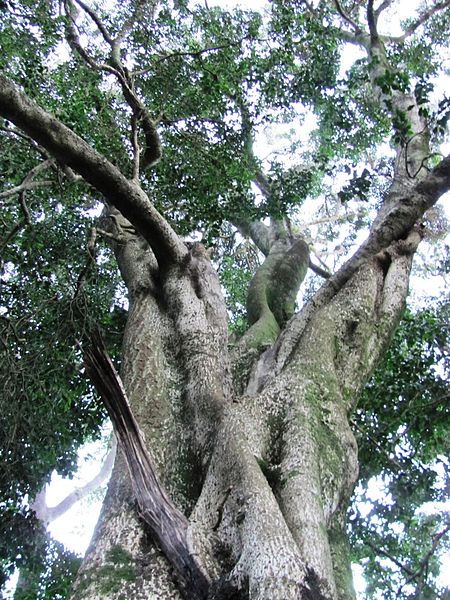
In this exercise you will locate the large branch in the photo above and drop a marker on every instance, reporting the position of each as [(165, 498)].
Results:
[(399, 220), (73, 151), (257, 232), (397, 223), (423, 18), (167, 524)]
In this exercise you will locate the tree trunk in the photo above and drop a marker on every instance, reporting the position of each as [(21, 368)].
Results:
[(264, 475)]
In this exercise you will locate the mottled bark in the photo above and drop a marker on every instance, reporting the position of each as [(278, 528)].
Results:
[(279, 464)]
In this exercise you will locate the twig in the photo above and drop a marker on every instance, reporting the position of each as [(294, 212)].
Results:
[(192, 53), (346, 17), (26, 138), (377, 445), (24, 207), (90, 260), (415, 575)]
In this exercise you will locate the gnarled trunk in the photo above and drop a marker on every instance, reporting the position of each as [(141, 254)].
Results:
[(264, 470)]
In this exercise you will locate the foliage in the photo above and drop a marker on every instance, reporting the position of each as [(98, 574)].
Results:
[(51, 296), (235, 273), (45, 565), (403, 430)]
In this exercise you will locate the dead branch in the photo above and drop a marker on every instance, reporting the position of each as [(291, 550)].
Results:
[(167, 523)]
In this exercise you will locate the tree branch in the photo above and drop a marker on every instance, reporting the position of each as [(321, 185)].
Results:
[(346, 17), (73, 151), (372, 22), (168, 525), (388, 555), (318, 270), (23, 187), (385, 4), (310, 7), (139, 6), (152, 149), (48, 514), (27, 182), (53, 512), (74, 41), (399, 220), (96, 20), (415, 575), (423, 18), (395, 225), (257, 232)]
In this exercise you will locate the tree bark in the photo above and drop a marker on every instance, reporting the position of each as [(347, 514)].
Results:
[(267, 476)]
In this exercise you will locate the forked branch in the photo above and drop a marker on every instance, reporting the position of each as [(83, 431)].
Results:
[(423, 568), (347, 18), (396, 225), (27, 182), (71, 150), (152, 147)]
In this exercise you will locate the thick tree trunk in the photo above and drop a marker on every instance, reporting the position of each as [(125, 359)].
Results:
[(264, 476)]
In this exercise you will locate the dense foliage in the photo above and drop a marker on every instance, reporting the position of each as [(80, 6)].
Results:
[(233, 94), (402, 429)]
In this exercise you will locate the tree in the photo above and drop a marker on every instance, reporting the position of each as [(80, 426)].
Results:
[(238, 457)]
